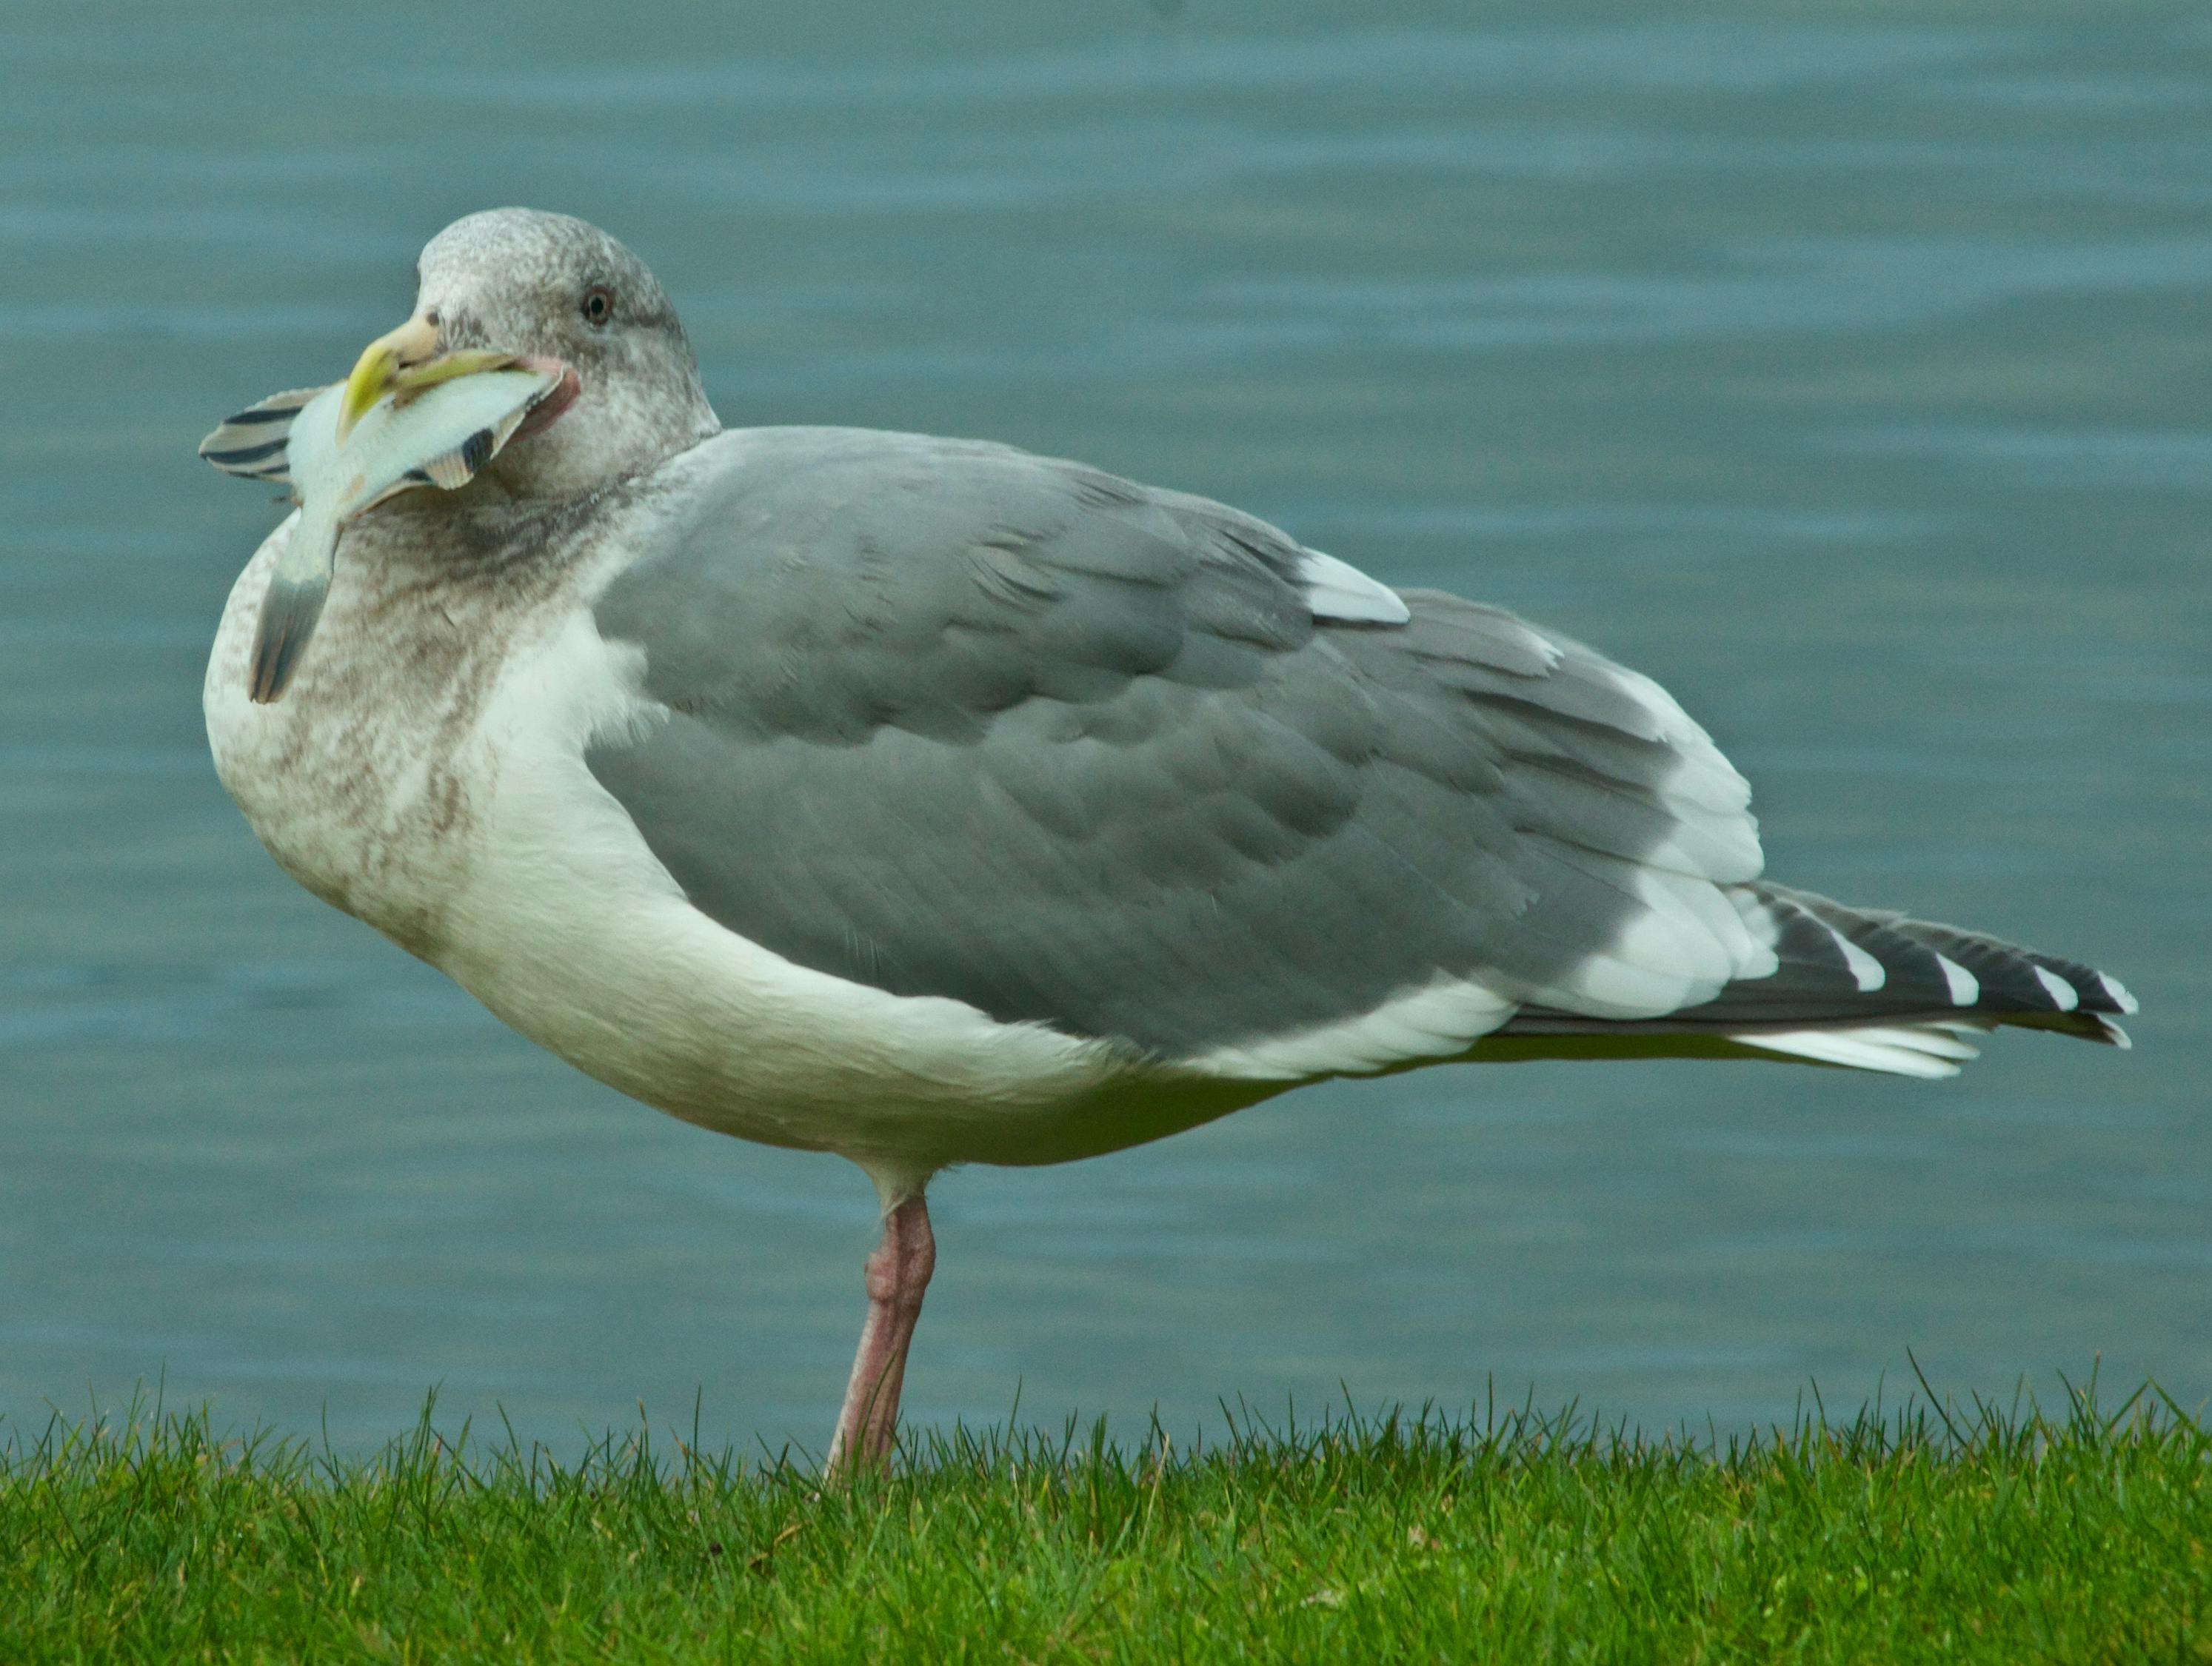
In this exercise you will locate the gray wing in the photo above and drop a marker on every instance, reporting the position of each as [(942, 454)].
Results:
[(950, 720)]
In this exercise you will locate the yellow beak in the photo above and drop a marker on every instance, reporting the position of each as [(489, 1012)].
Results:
[(380, 365)]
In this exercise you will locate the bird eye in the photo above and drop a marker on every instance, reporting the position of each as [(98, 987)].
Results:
[(598, 305)]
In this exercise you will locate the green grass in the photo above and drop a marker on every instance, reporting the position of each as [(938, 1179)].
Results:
[(1997, 1534)]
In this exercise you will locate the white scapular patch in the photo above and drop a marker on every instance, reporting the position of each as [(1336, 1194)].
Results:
[(1931, 1051), (1701, 843), (1965, 987), (1684, 944), (1718, 838), (1761, 929), (1866, 971), (1438, 1022), (1338, 590), (2059, 990), (1723, 847), (1706, 779), (2118, 993)]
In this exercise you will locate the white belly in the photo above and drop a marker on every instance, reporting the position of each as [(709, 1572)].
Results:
[(438, 790)]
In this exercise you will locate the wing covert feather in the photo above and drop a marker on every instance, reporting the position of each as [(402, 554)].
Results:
[(950, 720)]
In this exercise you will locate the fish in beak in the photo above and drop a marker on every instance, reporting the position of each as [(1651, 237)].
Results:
[(407, 417)]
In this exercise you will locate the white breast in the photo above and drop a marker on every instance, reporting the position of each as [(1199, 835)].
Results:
[(343, 779)]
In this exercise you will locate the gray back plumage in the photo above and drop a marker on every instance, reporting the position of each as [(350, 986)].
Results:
[(950, 720)]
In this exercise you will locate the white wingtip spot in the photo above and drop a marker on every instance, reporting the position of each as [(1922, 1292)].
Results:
[(1866, 971), (2118, 993), (1338, 590), (2058, 989), (1965, 987)]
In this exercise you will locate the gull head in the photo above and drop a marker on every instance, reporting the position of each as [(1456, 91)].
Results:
[(541, 356), (559, 295)]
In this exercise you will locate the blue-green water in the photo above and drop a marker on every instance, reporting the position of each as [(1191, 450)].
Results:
[(1847, 374)]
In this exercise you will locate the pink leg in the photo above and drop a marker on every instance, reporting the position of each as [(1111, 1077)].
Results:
[(897, 1275)]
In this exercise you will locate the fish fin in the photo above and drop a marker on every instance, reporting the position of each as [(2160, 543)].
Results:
[(250, 444), (457, 467)]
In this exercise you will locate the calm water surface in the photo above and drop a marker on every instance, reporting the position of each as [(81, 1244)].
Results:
[(1849, 376)]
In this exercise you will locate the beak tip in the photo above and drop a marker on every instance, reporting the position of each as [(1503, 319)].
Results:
[(382, 360)]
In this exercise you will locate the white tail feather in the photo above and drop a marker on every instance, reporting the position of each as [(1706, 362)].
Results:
[(1930, 1050)]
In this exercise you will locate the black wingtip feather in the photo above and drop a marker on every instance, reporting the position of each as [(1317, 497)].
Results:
[(1816, 983)]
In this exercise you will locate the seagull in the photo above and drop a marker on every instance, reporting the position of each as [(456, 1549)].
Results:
[(928, 802)]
